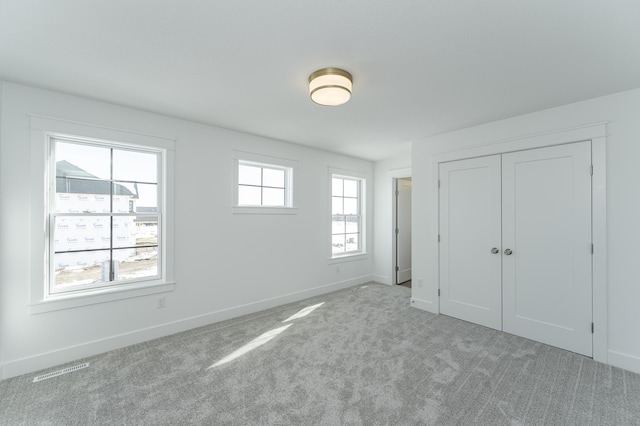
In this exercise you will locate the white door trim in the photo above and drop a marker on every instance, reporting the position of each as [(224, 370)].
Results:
[(393, 175), (403, 230), (596, 133), (599, 237)]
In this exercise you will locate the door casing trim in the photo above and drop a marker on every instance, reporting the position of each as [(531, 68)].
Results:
[(596, 133)]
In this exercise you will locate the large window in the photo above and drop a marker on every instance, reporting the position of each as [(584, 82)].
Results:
[(105, 215), (346, 215)]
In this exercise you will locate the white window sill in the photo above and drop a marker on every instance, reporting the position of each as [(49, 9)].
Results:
[(347, 258), (110, 294), (263, 210)]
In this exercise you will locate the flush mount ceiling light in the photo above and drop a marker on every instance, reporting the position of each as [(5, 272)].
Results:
[(330, 86)]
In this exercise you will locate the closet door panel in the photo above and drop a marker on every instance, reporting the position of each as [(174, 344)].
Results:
[(546, 214), (469, 230)]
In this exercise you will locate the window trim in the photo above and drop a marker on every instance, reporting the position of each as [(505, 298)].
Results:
[(362, 178), (291, 175), (286, 188), (52, 140), (42, 129)]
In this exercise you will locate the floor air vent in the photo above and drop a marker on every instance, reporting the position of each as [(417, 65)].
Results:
[(60, 372)]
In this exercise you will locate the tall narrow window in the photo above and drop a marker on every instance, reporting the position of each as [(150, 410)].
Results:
[(346, 215), (105, 215)]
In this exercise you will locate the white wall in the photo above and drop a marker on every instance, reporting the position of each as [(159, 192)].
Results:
[(225, 264), (622, 112), (2, 254), (383, 249)]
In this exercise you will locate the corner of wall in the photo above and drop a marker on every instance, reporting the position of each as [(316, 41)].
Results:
[(1, 256), (381, 279), (624, 361)]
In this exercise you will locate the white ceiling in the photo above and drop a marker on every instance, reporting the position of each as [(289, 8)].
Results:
[(420, 67)]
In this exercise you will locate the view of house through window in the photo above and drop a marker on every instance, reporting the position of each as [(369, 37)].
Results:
[(346, 217), (262, 185), (104, 215)]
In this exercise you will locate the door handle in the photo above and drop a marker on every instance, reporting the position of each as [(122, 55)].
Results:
[(495, 250), (508, 252)]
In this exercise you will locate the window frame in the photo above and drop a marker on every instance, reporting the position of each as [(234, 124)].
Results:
[(43, 129), (52, 141), (361, 178), (265, 162), (286, 188)]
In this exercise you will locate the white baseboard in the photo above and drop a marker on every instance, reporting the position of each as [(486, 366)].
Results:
[(61, 356), (425, 305), (624, 361), (382, 279)]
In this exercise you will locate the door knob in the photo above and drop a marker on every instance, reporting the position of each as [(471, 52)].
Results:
[(495, 250), (508, 252)]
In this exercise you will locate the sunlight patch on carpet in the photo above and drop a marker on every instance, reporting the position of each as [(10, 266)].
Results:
[(303, 312), (258, 341)]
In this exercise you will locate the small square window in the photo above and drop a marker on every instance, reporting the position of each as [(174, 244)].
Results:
[(263, 184)]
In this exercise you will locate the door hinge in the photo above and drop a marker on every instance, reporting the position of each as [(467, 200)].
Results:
[(438, 237), (592, 328), (591, 170), (397, 192), (438, 184), (397, 269), (397, 230), (591, 248), (438, 292)]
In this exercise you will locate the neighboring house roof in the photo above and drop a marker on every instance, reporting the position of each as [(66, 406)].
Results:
[(74, 180)]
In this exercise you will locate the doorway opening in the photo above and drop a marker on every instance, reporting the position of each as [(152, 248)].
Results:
[(402, 231)]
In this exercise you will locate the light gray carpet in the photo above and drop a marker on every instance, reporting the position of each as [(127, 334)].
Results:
[(363, 357)]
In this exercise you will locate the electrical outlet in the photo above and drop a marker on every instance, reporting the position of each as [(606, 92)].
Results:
[(161, 302), (338, 269), (419, 282)]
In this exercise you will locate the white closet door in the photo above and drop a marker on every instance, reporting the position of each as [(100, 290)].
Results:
[(469, 230), (546, 215)]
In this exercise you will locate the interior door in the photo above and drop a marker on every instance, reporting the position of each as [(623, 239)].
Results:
[(403, 230), (546, 241), (470, 260)]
